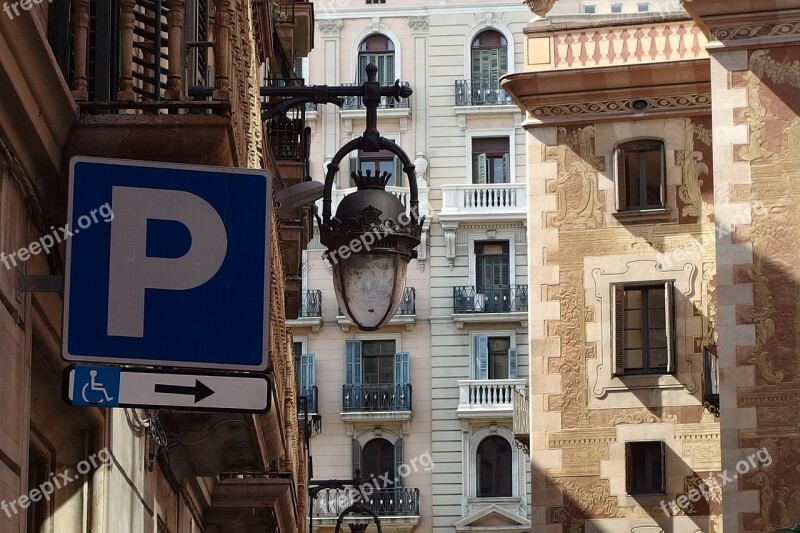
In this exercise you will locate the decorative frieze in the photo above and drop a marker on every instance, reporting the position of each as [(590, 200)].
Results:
[(330, 27), (687, 102), (418, 24), (738, 33)]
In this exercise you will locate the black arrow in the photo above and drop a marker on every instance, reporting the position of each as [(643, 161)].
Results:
[(200, 391)]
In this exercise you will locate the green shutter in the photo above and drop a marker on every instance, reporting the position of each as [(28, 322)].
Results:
[(353, 362), (481, 357), (618, 312), (506, 168), (363, 61), (479, 169), (356, 457), (512, 363), (401, 368), (307, 377), (398, 462)]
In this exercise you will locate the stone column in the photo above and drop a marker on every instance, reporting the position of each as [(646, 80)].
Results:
[(127, 20), (175, 20), (80, 48)]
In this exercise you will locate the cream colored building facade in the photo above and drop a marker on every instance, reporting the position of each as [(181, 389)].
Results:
[(470, 281)]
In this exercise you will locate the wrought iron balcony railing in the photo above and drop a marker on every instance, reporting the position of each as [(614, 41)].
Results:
[(307, 396), (311, 305), (710, 380), (480, 92), (329, 503), (376, 398), (521, 423), (355, 102), (409, 304), (289, 137), (490, 299)]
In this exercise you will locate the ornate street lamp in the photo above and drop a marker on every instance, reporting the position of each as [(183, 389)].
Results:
[(372, 237)]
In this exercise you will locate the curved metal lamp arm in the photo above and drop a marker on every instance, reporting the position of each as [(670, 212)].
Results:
[(358, 507), (361, 143)]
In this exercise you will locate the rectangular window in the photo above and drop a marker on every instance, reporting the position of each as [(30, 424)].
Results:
[(378, 362), (490, 160), (644, 467), (494, 357), (589, 9), (643, 331), (616, 8), (378, 163), (640, 175), (643, 8)]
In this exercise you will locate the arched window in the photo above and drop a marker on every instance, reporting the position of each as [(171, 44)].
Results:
[(494, 465), (489, 61), (640, 175), (378, 50)]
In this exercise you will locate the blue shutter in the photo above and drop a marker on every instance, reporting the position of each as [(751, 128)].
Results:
[(352, 363), (401, 381), (308, 380), (481, 357), (512, 363), (398, 461)]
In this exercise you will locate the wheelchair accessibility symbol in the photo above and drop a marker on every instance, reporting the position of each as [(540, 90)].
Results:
[(95, 385)]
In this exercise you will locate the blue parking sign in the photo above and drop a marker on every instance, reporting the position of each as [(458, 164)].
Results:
[(177, 272)]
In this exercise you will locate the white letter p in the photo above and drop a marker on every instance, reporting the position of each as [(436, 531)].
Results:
[(131, 271)]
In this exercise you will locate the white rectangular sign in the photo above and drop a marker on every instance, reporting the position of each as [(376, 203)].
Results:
[(108, 387)]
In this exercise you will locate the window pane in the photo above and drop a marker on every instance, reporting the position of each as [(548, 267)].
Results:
[(632, 179), (633, 338), (633, 299), (658, 358), (658, 338), (656, 297), (652, 163), (633, 360), (494, 461), (633, 319), (657, 318)]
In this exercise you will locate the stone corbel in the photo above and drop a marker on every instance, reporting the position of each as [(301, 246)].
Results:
[(422, 249), (462, 121), (348, 126), (450, 242), (405, 427), (403, 124)]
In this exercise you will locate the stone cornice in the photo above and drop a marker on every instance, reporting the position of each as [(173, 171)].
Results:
[(612, 92), (735, 22)]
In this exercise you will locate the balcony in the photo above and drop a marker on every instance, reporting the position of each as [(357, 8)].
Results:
[(132, 81), (488, 398), (481, 202), (251, 502), (376, 402), (310, 396), (522, 421), (396, 507), (491, 303), (469, 93), (309, 311), (353, 109), (710, 381), (406, 314), (294, 26), (356, 102), (403, 193)]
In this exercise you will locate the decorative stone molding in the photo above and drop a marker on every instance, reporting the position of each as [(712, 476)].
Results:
[(625, 105), (330, 28), (418, 24), (737, 33), (581, 450)]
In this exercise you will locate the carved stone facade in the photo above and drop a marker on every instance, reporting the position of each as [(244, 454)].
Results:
[(727, 237)]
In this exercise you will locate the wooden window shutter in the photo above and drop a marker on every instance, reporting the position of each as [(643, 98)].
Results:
[(506, 168), (397, 179), (618, 333), (353, 362), (482, 356), (512, 363), (669, 311), (622, 185), (356, 455), (480, 167), (307, 374), (630, 479)]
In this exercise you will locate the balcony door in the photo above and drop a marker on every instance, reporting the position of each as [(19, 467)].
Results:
[(489, 62), (378, 50), (493, 276), (495, 358), (376, 377)]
